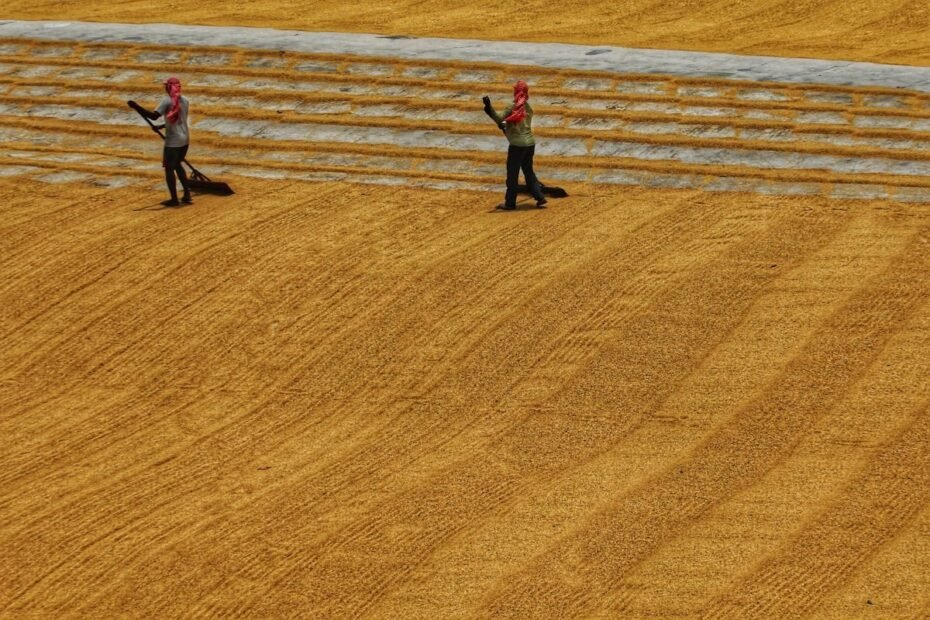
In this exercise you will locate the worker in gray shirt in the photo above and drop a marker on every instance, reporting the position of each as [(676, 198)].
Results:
[(174, 108)]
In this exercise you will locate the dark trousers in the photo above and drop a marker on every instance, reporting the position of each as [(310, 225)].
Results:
[(173, 156), (521, 158)]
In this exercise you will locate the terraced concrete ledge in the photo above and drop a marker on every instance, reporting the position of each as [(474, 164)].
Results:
[(551, 55), (376, 109)]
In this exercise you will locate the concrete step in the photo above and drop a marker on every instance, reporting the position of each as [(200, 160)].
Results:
[(884, 128), (400, 135), (672, 97), (113, 171), (555, 116)]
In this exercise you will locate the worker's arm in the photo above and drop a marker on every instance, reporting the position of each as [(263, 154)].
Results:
[(150, 114), (489, 110)]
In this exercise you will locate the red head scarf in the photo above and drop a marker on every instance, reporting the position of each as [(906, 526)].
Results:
[(173, 85), (521, 93)]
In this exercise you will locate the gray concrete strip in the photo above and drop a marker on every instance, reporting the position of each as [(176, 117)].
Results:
[(552, 55), (617, 176), (260, 130), (15, 171)]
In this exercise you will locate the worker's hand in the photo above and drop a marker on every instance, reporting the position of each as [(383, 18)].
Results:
[(486, 100)]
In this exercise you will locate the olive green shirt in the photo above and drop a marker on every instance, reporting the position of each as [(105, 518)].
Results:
[(518, 134)]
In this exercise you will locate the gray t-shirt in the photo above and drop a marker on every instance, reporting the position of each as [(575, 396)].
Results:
[(176, 134)]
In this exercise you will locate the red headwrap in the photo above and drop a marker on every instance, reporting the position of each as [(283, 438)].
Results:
[(521, 93), (173, 85)]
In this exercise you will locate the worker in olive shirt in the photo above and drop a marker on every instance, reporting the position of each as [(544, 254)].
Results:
[(174, 108), (517, 124)]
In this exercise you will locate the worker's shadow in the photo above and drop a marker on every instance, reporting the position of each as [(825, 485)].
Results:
[(158, 206), (522, 205)]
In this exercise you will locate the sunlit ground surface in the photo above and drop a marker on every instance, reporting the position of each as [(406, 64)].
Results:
[(343, 400), (340, 400), (893, 31)]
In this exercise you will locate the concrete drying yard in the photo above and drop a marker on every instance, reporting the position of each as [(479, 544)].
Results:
[(697, 387)]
